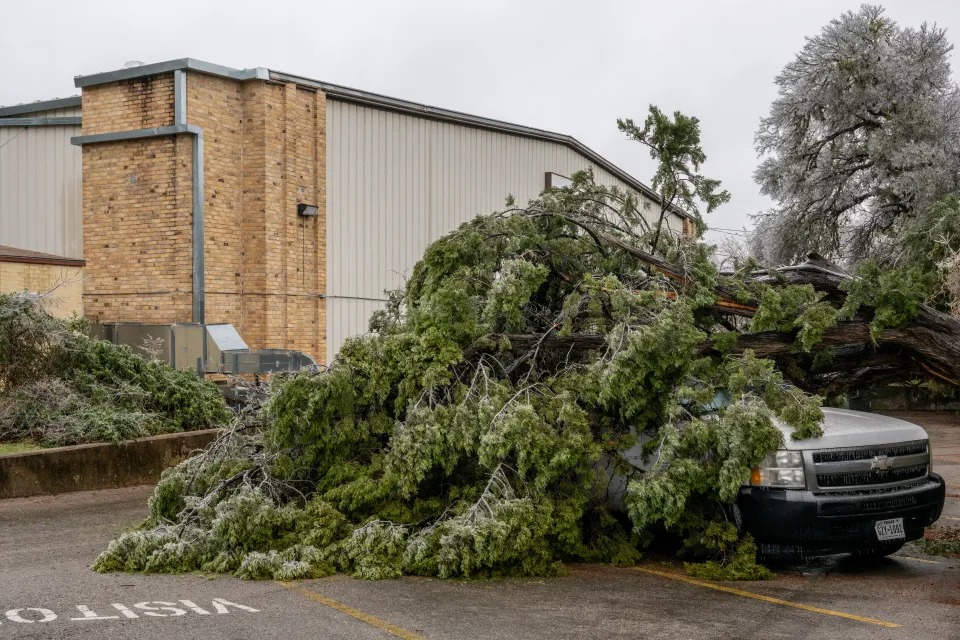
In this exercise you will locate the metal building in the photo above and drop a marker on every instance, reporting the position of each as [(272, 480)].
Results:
[(41, 237), (393, 174), (278, 203), (40, 177)]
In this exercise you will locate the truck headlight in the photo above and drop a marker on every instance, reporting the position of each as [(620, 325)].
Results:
[(782, 469)]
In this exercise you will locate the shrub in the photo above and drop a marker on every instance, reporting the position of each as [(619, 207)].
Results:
[(59, 387)]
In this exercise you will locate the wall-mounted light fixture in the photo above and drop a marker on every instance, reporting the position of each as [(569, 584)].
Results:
[(307, 210)]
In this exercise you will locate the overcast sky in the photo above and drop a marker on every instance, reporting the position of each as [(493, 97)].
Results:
[(572, 67)]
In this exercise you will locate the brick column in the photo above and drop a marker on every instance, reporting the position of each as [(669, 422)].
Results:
[(136, 207)]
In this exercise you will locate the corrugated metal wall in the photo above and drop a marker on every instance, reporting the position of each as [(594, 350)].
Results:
[(40, 176), (395, 183)]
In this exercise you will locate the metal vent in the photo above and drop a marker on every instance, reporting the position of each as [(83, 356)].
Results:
[(888, 504)]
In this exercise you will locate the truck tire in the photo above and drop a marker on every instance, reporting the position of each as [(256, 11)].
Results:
[(879, 550)]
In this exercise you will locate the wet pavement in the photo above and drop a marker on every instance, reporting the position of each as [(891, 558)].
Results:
[(944, 431), (48, 591)]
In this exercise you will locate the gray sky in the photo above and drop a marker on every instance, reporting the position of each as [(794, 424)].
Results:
[(558, 65)]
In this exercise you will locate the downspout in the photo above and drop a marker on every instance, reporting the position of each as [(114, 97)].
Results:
[(179, 126), (180, 118)]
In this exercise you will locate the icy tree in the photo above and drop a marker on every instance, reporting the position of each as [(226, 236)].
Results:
[(862, 138)]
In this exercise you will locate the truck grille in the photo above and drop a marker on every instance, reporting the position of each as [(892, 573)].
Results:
[(875, 490), (848, 455), (861, 478), (893, 465)]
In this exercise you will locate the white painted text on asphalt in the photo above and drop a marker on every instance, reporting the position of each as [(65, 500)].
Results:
[(117, 611)]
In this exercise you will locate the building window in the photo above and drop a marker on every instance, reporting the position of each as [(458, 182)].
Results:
[(556, 180)]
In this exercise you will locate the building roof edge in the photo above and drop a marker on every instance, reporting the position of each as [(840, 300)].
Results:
[(347, 94), (40, 105)]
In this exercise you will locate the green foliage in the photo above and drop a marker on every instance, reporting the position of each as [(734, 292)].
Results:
[(740, 564), (675, 145), (710, 455), (58, 387), (512, 288), (895, 295), (940, 542), (375, 550), (132, 550), (506, 537), (17, 447), (245, 532), (795, 309), (295, 563), (637, 383), (466, 438), (935, 238)]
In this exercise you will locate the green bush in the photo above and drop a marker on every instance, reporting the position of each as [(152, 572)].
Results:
[(59, 387)]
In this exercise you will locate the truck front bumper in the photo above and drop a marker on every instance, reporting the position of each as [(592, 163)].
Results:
[(784, 521)]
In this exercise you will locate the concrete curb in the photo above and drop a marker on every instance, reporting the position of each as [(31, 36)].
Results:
[(88, 467)]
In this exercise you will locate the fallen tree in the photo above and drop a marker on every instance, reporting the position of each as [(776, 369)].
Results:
[(860, 350), (476, 429)]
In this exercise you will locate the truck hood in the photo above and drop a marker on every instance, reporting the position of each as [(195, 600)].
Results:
[(845, 428)]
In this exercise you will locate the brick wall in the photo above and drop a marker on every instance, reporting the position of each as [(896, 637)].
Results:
[(296, 244), (216, 105), (264, 153), (253, 212), (137, 229), (65, 285), (131, 104)]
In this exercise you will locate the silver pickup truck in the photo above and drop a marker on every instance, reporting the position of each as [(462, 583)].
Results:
[(865, 487)]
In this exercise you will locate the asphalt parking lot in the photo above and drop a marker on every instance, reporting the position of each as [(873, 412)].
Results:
[(48, 591)]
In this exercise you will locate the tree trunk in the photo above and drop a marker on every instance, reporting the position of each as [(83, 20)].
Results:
[(928, 346)]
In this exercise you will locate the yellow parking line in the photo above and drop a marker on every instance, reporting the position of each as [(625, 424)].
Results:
[(757, 596), (383, 625), (916, 559), (950, 517)]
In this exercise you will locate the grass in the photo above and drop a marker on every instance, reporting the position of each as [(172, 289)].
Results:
[(18, 447), (940, 542)]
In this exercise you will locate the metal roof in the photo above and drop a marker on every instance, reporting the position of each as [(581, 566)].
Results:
[(181, 64), (347, 94), (12, 254), (40, 105)]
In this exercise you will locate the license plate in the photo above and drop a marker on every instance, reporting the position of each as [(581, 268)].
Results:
[(890, 529)]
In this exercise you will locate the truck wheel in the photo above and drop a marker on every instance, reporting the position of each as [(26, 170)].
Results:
[(881, 550)]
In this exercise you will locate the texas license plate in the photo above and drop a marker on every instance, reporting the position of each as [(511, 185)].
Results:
[(890, 529)]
